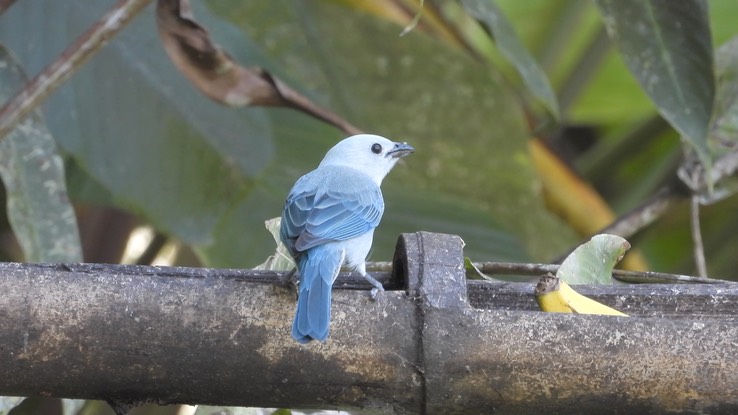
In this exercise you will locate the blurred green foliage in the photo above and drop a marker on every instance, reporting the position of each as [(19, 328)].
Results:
[(136, 136)]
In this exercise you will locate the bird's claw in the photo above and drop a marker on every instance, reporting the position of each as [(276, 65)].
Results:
[(377, 286), (374, 291)]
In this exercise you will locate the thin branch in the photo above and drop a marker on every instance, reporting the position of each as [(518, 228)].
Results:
[(67, 63), (517, 268), (627, 225), (693, 183), (512, 268), (699, 250), (665, 199), (691, 179), (650, 277)]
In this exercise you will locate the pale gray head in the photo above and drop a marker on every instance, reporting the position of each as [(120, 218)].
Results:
[(371, 154)]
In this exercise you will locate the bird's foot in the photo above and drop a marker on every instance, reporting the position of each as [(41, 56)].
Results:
[(377, 286), (291, 279), (374, 291)]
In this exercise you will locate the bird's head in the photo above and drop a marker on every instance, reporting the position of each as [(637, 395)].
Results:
[(372, 154)]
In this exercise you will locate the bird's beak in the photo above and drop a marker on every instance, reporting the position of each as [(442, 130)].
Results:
[(400, 150)]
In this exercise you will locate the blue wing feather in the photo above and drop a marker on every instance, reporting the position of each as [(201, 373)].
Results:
[(330, 204)]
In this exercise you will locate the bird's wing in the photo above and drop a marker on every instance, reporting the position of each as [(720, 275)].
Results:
[(325, 208)]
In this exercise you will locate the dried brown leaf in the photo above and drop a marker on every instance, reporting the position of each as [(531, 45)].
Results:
[(214, 72)]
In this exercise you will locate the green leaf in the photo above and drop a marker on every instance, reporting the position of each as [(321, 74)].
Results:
[(211, 175), (593, 261), (474, 273), (667, 46), (724, 133), (723, 138), (413, 89), (32, 171), (510, 45), (135, 126)]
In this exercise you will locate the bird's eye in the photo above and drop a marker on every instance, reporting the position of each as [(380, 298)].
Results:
[(376, 148)]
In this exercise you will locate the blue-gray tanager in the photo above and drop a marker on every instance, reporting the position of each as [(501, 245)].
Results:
[(329, 219)]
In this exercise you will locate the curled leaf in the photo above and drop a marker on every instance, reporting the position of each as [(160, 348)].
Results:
[(474, 273), (281, 260), (593, 261), (217, 75)]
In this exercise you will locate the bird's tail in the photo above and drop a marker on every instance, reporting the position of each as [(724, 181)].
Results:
[(318, 268)]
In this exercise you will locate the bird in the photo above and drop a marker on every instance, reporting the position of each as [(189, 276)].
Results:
[(328, 221)]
